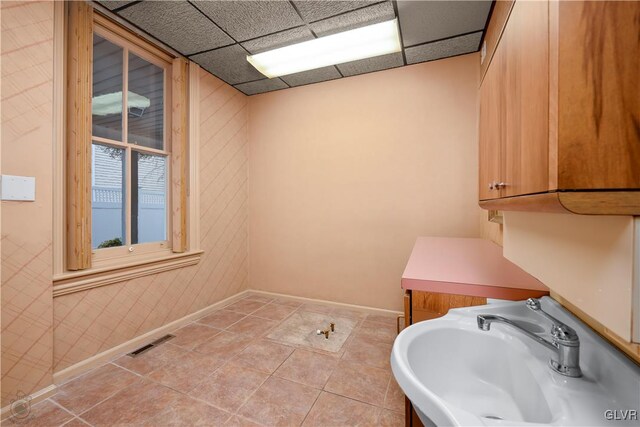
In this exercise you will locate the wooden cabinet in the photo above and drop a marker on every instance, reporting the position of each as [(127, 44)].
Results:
[(492, 127), (525, 45), (430, 305), (559, 108)]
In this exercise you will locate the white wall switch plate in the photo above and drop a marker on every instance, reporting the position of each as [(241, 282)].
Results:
[(22, 188)]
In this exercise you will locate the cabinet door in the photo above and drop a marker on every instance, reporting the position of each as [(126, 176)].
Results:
[(525, 42), (429, 305), (492, 126)]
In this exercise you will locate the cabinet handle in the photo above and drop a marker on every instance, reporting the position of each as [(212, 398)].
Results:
[(500, 185), (492, 185)]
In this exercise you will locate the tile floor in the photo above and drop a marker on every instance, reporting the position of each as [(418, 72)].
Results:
[(223, 370)]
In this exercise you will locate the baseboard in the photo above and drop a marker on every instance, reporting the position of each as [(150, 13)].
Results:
[(363, 308), (34, 398), (86, 365)]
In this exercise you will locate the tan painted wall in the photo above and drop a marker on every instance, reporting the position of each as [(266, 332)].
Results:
[(27, 120), (344, 175), (89, 322), (587, 260)]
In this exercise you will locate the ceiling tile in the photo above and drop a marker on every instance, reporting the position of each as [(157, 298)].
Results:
[(312, 76), (177, 24), (261, 86), (274, 41), (228, 63), (424, 21), (368, 65), (358, 18), (245, 20), (444, 48), (114, 4), (314, 10)]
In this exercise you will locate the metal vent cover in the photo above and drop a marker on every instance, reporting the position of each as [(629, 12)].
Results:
[(137, 352)]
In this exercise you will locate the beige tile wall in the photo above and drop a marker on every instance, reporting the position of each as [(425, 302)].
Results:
[(27, 88), (87, 323)]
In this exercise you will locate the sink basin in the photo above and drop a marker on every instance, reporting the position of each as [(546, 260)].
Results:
[(456, 374)]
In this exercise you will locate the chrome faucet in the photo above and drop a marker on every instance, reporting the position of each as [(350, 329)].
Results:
[(564, 339)]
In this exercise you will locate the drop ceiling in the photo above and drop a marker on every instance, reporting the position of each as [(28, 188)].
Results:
[(219, 34)]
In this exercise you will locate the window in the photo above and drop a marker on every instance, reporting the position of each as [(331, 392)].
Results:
[(129, 153), (124, 164)]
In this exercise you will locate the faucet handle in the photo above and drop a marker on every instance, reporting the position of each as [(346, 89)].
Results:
[(559, 330), (564, 333), (534, 304)]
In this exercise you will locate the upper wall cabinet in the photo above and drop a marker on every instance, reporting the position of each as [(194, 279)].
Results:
[(560, 108)]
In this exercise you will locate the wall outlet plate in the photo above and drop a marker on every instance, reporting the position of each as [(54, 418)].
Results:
[(20, 188)]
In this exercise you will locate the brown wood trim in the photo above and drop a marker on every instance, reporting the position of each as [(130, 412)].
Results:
[(632, 350), (407, 412), (407, 308), (601, 202), (78, 147), (131, 37), (553, 93), (179, 157), (94, 278), (497, 22), (193, 192), (577, 202), (544, 202), (431, 305)]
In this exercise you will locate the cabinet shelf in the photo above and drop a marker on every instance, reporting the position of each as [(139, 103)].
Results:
[(575, 202)]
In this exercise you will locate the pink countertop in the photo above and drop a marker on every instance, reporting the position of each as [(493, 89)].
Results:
[(464, 266)]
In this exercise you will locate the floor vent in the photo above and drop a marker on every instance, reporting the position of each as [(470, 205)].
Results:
[(162, 339), (145, 348)]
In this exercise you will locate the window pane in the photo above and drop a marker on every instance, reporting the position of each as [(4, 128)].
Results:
[(108, 195), (145, 101), (148, 198), (106, 104)]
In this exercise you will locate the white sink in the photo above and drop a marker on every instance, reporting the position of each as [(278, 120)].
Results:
[(457, 374)]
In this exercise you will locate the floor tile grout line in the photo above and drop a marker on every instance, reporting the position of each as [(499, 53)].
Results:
[(261, 336), (61, 407), (202, 382), (311, 407), (251, 395), (111, 395), (270, 375), (386, 393), (147, 376), (110, 362)]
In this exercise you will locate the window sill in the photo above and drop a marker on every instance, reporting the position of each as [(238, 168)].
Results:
[(77, 281)]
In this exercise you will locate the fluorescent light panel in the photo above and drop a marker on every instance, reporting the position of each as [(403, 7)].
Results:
[(365, 42)]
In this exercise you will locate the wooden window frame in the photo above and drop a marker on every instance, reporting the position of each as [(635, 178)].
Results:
[(76, 265), (115, 256)]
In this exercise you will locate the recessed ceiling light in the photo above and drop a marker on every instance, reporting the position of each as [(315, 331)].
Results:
[(365, 42)]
